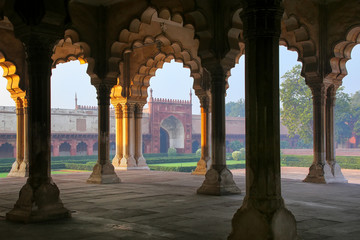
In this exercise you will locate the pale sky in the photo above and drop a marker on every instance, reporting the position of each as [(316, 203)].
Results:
[(172, 81)]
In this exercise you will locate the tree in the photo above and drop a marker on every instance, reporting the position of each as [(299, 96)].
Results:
[(343, 116), (296, 98), (297, 113), (236, 145), (235, 109)]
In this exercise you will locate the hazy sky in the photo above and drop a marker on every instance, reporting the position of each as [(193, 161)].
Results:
[(172, 81)]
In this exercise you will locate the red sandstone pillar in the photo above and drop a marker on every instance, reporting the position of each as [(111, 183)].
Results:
[(89, 148), (73, 145), (56, 146)]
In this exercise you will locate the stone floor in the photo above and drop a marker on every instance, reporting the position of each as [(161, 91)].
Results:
[(163, 205)]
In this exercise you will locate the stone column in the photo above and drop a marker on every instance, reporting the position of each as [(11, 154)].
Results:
[(103, 171), (39, 198), (330, 136), (25, 163), (319, 171), (128, 161), (263, 214), (201, 167), (218, 179), (118, 135), (15, 169), (140, 160)]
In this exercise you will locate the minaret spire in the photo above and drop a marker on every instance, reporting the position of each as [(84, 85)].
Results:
[(76, 105)]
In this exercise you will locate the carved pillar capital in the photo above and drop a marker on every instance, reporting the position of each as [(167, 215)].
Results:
[(103, 94), (128, 109), (262, 20), (139, 110), (319, 92), (118, 111), (205, 103)]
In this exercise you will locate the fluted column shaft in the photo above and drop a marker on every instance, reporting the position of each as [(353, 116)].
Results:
[(128, 160), (201, 167), (140, 160), (118, 135), (15, 169)]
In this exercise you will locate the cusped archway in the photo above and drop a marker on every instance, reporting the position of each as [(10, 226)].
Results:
[(175, 130)]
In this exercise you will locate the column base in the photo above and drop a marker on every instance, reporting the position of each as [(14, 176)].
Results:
[(141, 163), (128, 162), (218, 182), (132, 168), (325, 174), (249, 223), (103, 174), (116, 161), (37, 205), (201, 168), (21, 170)]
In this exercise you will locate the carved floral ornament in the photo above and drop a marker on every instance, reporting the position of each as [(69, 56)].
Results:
[(153, 37)]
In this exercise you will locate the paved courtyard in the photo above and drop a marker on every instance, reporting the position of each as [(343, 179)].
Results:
[(163, 205)]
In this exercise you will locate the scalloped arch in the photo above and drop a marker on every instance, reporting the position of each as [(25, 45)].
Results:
[(154, 28), (13, 80), (295, 37), (342, 53), (70, 48)]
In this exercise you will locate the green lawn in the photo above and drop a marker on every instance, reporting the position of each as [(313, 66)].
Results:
[(64, 171), (193, 164)]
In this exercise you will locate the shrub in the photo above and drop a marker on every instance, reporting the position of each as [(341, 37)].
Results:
[(236, 155), (198, 152), (242, 153), (171, 151)]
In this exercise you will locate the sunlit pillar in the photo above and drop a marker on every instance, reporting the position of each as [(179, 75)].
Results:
[(140, 160), (201, 167), (103, 171), (128, 161), (118, 135), (15, 170), (218, 179), (25, 164), (39, 198), (263, 214)]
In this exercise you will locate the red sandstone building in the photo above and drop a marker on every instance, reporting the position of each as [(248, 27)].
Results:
[(165, 123)]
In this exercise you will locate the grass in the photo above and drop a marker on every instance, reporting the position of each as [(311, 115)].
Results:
[(192, 164), (61, 171)]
